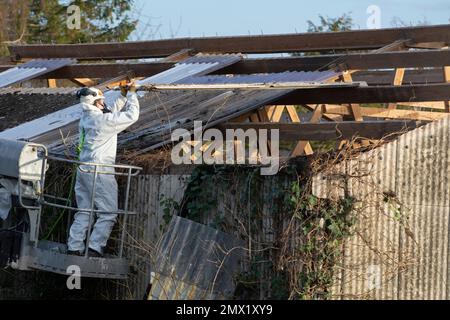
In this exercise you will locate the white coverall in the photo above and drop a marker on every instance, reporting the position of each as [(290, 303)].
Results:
[(100, 146)]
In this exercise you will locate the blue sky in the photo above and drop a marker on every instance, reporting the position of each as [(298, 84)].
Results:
[(194, 18)]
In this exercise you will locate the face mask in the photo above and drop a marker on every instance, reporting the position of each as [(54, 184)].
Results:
[(106, 108)]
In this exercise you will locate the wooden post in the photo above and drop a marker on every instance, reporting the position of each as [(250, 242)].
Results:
[(398, 79), (302, 147), (51, 83), (447, 79), (356, 112)]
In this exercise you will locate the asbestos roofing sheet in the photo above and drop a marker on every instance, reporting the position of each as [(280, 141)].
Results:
[(31, 70), (295, 76), (194, 66), (162, 112), (200, 64)]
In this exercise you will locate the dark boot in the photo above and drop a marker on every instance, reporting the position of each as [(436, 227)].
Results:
[(74, 253), (94, 254)]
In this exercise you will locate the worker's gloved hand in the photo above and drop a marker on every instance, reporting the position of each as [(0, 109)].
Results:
[(129, 87)]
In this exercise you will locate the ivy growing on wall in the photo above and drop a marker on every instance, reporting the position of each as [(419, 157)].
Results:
[(294, 238)]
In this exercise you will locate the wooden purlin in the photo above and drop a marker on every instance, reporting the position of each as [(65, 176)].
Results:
[(356, 61), (331, 130), (356, 39), (372, 112), (411, 76), (377, 94)]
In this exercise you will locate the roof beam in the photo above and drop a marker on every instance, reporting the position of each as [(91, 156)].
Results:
[(356, 39), (386, 113), (351, 61), (360, 61), (331, 130), (376, 94), (384, 77)]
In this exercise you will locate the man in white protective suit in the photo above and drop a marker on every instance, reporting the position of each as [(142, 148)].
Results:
[(98, 128)]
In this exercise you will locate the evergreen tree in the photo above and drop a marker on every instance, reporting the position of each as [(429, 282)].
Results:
[(342, 23), (45, 21)]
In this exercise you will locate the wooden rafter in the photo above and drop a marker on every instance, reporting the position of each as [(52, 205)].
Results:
[(84, 82), (304, 146), (179, 56)]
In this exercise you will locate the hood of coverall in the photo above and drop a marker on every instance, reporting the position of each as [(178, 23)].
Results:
[(90, 95)]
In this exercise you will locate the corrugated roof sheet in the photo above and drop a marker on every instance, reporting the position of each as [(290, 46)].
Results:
[(164, 111), (294, 76), (31, 70), (194, 65)]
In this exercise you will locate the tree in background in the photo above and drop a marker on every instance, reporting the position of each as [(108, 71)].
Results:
[(327, 24), (45, 21)]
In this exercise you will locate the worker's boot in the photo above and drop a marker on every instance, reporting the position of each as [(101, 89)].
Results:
[(94, 254), (75, 253)]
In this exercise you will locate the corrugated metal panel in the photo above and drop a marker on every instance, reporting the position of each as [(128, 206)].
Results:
[(31, 70), (194, 257), (402, 238), (61, 118)]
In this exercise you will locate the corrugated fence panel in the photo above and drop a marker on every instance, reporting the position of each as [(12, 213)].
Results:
[(145, 229), (370, 253), (423, 182), (400, 248), (194, 256)]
